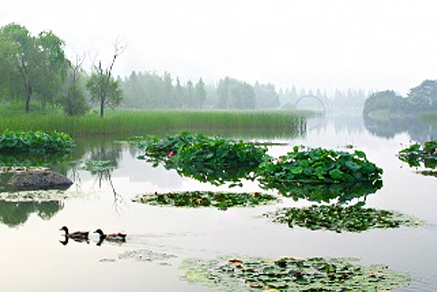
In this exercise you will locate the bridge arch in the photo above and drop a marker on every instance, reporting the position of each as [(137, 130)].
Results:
[(311, 96)]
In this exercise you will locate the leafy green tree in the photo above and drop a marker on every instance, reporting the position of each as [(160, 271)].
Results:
[(423, 97), (200, 93), (266, 95), (190, 94), (104, 89), (235, 94), (74, 101), (384, 100), (38, 62)]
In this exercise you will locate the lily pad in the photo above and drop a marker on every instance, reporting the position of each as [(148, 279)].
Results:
[(291, 274), (338, 218), (317, 166), (216, 160), (195, 199), (417, 155)]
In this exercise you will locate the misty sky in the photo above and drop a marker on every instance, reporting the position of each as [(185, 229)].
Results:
[(369, 44)]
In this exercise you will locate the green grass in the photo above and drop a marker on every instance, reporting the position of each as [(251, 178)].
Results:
[(123, 123), (429, 117)]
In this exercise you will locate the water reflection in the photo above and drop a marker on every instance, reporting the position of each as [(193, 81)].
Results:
[(416, 128), (327, 193), (14, 214)]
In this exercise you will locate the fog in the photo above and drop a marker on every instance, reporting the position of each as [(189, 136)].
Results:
[(372, 45)]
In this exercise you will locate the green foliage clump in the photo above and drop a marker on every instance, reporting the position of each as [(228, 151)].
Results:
[(194, 199), (416, 154), (98, 166), (35, 143), (337, 218), (291, 274), (317, 166), (208, 159)]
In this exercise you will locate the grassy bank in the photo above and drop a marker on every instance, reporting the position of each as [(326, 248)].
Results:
[(124, 123), (429, 118)]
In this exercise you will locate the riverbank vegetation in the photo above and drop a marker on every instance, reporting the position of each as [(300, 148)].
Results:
[(124, 123), (420, 99), (35, 70)]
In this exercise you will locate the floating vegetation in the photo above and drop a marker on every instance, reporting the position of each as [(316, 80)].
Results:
[(417, 155), (145, 255), (338, 218), (37, 142), (328, 192), (98, 166), (216, 160), (291, 274), (317, 166), (37, 195), (194, 199)]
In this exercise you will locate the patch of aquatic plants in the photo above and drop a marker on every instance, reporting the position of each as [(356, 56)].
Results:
[(317, 166), (416, 154), (195, 199), (98, 166), (35, 143), (216, 160), (328, 192), (338, 218), (291, 274)]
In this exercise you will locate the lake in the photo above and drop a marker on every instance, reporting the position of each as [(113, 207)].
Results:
[(160, 238)]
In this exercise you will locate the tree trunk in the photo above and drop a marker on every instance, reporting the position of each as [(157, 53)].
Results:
[(28, 96), (102, 106)]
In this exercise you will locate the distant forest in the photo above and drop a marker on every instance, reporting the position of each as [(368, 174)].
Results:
[(151, 90), (35, 69)]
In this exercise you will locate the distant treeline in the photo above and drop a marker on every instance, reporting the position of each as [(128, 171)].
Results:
[(420, 99), (34, 69), (151, 90)]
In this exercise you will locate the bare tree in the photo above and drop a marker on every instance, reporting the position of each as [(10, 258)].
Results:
[(104, 89)]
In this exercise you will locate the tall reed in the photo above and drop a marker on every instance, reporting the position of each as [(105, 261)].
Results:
[(126, 123)]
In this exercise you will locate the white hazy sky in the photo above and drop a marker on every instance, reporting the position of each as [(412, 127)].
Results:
[(368, 44)]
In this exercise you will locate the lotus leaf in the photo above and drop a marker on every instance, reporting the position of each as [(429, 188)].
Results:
[(317, 166), (207, 159), (219, 200), (291, 274), (337, 218)]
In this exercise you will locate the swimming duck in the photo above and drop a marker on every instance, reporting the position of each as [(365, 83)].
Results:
[(77, 235), (119, 237)]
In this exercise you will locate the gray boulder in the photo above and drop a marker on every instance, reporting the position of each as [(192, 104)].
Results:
[(39, 179)]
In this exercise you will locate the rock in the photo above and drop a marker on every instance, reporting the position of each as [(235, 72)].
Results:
[(39, 179)]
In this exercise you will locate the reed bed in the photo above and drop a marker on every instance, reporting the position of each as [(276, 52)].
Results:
[(124, 123)]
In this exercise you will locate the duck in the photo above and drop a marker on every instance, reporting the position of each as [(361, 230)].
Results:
[(77, 235), (117, 237)]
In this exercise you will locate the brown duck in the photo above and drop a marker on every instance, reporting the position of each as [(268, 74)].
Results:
[(117, 237), (77, 235)]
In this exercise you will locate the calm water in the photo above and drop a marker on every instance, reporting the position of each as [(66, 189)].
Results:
[(159, 238)]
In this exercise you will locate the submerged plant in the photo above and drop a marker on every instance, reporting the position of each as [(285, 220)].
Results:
[(328, 192), (35, 143), (291, 274), (417, 155), (195, 199), (317, 166), (338, 218), (216, 160), (98, 166)]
